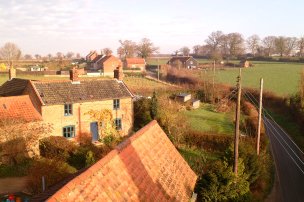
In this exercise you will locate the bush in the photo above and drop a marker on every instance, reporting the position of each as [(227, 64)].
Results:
[(15, 170), (142, 115), (81, 157), (53, 171), (56, 147), (221, 184), (207, 141)]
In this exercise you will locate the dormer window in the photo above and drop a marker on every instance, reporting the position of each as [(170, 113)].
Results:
[(68, 109)]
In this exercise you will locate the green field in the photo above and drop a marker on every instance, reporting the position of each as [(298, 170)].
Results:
[(280, 78), (206, 119)]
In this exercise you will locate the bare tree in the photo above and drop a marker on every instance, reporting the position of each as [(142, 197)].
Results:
[(301, 46), (253, 43), (37, 56), (280, 45), (185, 50), (107, 51), (18, 137), (127, 49), (235, 44), (69, 55), (269, 45), (196, 49), (49, 56), (176, 52), (146, 48), (10, 52), (59, 55), (28, 57), (78, 56), (291, 44), (214, 41)]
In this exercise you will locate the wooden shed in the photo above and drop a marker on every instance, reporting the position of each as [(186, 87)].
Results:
[(183, 97), (195, 103)]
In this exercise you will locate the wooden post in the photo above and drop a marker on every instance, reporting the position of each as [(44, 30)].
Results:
[(237, 125), (260, 117)]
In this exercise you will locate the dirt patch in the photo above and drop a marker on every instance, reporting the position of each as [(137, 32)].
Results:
[(13, 185)]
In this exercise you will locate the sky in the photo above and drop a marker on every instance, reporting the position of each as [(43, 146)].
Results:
[(43, 27)]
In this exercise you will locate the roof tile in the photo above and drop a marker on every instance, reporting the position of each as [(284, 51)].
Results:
[(115, 178), (19, 107)]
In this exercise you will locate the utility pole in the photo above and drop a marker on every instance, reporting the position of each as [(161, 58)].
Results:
[(157, 68), (260, 117), (237, 125), (213, 78)]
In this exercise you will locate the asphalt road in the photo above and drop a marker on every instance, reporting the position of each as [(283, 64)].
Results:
[(289, 162)]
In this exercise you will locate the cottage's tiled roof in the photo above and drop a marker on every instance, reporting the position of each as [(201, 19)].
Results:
[(107, 57), (180, 58), (13, 87), (60, 92), (135, 60), (19, 107), (145, 167), (98, 57)]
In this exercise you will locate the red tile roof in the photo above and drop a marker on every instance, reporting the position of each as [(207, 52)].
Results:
[(18, 107), (135, 60), (145, 167)]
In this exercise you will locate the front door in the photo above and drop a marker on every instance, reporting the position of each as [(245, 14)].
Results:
[(94, 131)]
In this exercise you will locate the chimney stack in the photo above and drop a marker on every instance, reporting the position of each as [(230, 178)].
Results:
[(74, 75), (11, 73), (118, 74)]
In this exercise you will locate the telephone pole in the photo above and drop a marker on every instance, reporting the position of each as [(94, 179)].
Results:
[(237, 124), (157, 68), (260, 117), (213, 78)]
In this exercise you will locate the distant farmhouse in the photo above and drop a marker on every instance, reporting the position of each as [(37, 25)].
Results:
[(65, 104), (179, 62), (105, 64), (132, 63), (91, 56)]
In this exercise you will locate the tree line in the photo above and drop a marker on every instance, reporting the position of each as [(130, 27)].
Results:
[(220, 45)]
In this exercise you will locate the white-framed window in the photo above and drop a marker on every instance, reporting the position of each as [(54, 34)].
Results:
[(68, 131), (68, 109)]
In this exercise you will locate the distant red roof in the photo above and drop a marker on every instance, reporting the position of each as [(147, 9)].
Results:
[(135, 60), (18, 107), (145, 167)]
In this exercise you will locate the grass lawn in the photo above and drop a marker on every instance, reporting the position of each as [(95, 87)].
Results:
[(205, 119), (140, 85), (4, 78), (155, 61), (280, 78)]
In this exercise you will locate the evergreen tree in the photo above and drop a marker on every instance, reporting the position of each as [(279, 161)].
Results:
[(154, 106)]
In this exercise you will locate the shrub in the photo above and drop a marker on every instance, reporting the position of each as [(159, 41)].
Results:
[(214, 142), (56, 147), (15, 170), (52, 170), (221, 184), (142, 114), (81, 157)]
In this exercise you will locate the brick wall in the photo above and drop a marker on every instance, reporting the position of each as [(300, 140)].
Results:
[(54, 114)]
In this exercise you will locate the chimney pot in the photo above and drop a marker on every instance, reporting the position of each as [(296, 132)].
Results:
[(74, 75), (118, 74), (11, 73)]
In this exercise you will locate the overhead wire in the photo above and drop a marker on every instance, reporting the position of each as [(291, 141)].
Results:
[(269, 115), (278, 134)]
